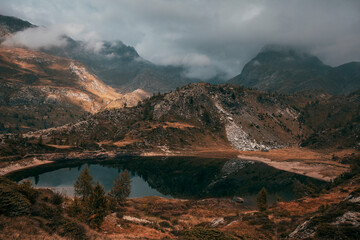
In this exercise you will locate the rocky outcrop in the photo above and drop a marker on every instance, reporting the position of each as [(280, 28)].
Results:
[(302, 231), (342, 220), (238, 138)]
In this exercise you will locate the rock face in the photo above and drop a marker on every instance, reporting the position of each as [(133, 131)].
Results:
[(238, 138), (302, 231), (286, 70)]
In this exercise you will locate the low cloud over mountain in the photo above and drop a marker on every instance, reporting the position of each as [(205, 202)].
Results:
[(208, 37)]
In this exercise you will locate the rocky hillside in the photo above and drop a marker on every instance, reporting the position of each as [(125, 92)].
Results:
[(40, 90), (204, 116), (335, 121), (199, 115), (285, 70)]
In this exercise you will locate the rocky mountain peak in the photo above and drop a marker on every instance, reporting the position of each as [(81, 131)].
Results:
[(9, 25), (287, 55), (288, 70)]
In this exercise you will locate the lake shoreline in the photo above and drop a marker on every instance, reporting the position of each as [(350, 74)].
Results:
[(36, 160), (174, 176), (311, 167)]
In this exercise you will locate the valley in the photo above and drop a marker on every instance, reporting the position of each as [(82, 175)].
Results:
[(198, 154)]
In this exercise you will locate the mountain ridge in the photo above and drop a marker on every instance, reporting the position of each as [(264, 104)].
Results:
[(33, 81), (204, 116), (9, 25), (287, 70), (116, 64)]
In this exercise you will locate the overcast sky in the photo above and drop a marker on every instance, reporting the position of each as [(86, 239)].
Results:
[(208, 36)]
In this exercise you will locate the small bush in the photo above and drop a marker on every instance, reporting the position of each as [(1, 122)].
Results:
[(45, 210), (25, 188), (261, 199), (57, 198), (175, 221), (75, 208), (72, 230), (165, 224), (13, 203)]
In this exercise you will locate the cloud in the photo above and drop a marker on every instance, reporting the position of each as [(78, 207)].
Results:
[(208, 36), (36, 38), (53, 36)]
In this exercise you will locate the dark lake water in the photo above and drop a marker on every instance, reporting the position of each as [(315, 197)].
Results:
[(63, 179), (173, 177)]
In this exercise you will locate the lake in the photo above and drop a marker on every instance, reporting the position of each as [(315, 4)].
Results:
[(63, 179), (174, 177)]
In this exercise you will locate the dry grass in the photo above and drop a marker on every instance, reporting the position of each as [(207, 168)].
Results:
[(308, 205), (60, 146), (179, 125), (245, 230), (125, 142), (23, 228), (322, 165), (296, 153)]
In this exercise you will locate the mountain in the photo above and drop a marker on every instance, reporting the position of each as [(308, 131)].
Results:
[(194, 117), (203, 116), (115, 63), (121, 67), (336, 122), (39, 90), (286, 70), (9, 25)]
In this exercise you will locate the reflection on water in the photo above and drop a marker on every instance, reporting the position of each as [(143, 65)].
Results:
[(63, 180), (183, 177)]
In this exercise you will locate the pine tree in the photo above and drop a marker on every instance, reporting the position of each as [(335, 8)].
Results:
[(121, 188), (299, 189), (96, 206), (262, 199), (40, 141), (83, 185)]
